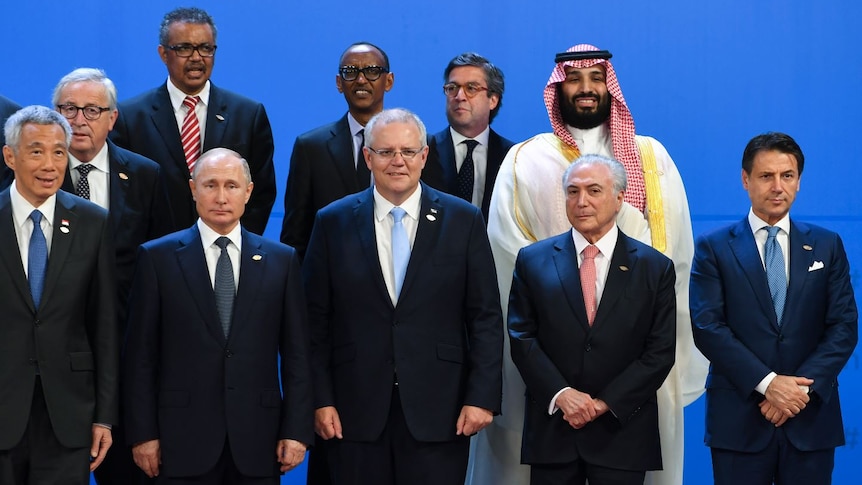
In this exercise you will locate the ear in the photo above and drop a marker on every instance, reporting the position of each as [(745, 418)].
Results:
[(338, 83), (113, 119), (745, 177), (9, 157), (495, 100), (192, 187), (163, 54), (390, 80), (248, 191)]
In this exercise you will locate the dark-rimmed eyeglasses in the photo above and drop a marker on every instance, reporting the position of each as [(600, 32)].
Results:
[(186, 50), (470, 89), (406, 153), (70, 111), (371, 73)]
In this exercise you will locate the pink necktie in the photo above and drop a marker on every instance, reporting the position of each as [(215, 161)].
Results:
[(588, 281), (191, 132)]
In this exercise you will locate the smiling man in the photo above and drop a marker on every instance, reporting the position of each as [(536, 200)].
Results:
[(464, 158), (188, 115)]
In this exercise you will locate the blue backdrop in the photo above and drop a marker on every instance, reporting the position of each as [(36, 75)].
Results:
[(702, 77)]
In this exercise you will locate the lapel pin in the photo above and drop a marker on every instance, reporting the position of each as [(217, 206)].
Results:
[(64, 229), (220, 117), (430, 217), (807, 247), (123, 176), (64, 222), (433, 210), (256, 257), (624, 268)]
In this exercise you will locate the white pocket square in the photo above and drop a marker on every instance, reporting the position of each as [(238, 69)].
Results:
[(815, 266)]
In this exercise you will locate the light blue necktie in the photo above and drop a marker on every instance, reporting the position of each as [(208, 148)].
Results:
[(37, 258), (775, 273), (400, 248), (224, 288)]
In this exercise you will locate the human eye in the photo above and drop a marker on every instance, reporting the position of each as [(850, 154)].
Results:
[(410, 152), (183, 49), (386, 153), (92, 111), (206, 49)]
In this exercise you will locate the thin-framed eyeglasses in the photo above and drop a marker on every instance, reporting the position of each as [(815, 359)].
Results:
[(406, 153), (70, 111), (371, 73), (470, 89), (186, 50)]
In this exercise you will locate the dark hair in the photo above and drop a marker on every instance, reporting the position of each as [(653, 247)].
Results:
[(493, 76), (772, 141), (369, 44), (190, 15)]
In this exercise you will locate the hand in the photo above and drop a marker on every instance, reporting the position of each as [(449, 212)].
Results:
[(472, 420), (148, 457), (785, 394), (102, 440), (601, 407), (578, 408), (327, 424), (772, 413), (290, 453)]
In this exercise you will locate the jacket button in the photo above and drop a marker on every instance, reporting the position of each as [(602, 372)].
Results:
[(588, 347), (228, 354)]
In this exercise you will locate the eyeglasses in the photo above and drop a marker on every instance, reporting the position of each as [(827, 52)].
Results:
[(406, 153), (70, 111), (186, 50), (371, 73), (470, 89)]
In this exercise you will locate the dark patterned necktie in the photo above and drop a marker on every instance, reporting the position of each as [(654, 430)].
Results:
[(363, 175), (465, 175), (224, 286), (82, 188)]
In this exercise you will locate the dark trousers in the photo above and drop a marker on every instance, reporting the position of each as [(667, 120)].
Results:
[(119, 468), (578, 472), (780, 463), (40, 459), (224, 472), (396, 458), (318, 463)]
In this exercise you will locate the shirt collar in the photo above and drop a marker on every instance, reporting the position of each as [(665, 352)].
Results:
[(177, 96), (482, 138), (209, 236), (597, 136), (412, 205), (21, 208), (99, 162), (354, 125), (757, 223), (606, 244)]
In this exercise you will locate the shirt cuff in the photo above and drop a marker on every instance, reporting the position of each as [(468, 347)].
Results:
[(103, 425), (552, 408), (761, 388)]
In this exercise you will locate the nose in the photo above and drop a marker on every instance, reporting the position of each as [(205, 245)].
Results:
[(461, 95)]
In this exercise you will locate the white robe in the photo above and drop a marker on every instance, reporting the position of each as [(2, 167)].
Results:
[(541, 213)]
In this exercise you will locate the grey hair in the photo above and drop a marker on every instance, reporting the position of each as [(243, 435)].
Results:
[(218, 153), (87, 74), (37, 115), (618, 172), (188, 15), (394, 115)]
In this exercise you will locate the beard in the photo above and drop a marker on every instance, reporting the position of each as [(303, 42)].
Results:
[(580, 119)]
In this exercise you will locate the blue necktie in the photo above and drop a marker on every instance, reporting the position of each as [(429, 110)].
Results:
[(37, 258), (224, 286), (400, 248), (775, 274)]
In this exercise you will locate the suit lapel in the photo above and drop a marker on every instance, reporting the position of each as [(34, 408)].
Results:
[(363, 217), (431, 218), (118, 186), (165, 122), (340, 147), (492, 166), (61, 243), (801, 252), (9, 251), (620, 268), (566, 263), (251, 272), (446, 154), (190, 257), (217, 120), (744, 248)]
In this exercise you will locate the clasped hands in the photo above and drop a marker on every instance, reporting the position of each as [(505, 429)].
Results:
[(786, 396), (580, 408)]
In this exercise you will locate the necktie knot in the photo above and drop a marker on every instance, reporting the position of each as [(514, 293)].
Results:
[(36, 216), (191, 101), (84, 169), (590, 252), (222, 242), (471, 145), (398, 214), (772, 231)]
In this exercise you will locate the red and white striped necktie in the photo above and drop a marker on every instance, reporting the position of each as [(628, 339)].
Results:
[(588, 281), (191, 132)]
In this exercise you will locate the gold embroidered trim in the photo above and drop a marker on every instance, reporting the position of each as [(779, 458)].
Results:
[(655, 205)]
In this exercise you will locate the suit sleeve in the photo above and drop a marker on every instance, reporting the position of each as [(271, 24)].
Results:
[(161, 217), (298, 209), (484, 323), (318, 290), (261, 149), (297, 414), (104, 331)]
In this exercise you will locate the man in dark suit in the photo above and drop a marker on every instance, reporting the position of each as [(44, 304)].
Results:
[(464, 158), (592, 327), (128, 186), (772, 308), (58, 341), (327, 162), (7, 107), (217, 326), (160, 125), (406, 343)]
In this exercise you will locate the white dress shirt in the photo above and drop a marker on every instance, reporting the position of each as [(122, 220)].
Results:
[(480, 161), (21, 210), (177, 98), (212, 252), (383, 223), (98, 176)]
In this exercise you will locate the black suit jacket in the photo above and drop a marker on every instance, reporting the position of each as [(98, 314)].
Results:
[(7, 109), (622, 358), (440, 168), (73, 334), (147, 125), (322, 170), (138, 211), (444, 335), (191, 388)]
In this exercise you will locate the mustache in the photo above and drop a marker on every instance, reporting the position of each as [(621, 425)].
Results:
[(585, 95)]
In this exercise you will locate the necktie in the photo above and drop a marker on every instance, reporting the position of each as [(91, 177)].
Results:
[(37, 258), (224, 285), (191, 132), (465, 175), (82, 189), (363, 176), (775, 274), (588, 281), (400, 248)]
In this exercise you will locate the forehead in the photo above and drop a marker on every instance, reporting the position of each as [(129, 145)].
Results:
[(222, 167), (34, 133), (590, 174), (584, 71), (396, 132), (187, 32), (89, 90), (467, 74), (362, 55), (773, 160)]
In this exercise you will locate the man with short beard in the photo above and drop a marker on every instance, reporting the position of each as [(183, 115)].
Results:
[(589, 115)]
